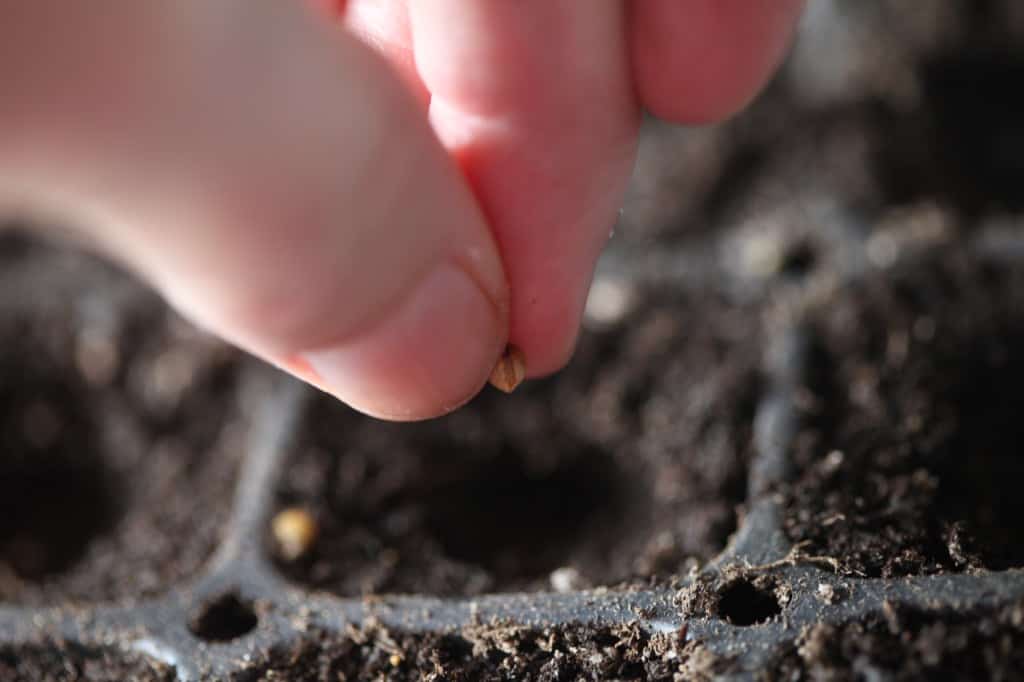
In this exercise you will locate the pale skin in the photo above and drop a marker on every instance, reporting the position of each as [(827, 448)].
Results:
[(377, 197)]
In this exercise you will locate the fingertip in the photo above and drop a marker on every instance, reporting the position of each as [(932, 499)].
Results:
[(699, 61), (664, 99), (547, 338), (429, 356)]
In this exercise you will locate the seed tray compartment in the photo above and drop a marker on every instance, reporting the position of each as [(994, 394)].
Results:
[(119, 433), (768, 602)]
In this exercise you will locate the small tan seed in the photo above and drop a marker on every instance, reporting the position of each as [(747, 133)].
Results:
[(295, 531), (510, 370)]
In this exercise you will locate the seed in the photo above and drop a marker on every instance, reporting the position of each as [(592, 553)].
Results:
[(510, 370), (295, 531)]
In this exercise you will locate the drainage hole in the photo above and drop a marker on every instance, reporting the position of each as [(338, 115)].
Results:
[(742, 603), (225, 618), (799, 259)]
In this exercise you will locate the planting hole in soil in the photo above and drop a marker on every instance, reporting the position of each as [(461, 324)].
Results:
[(916, 465), (963, 146), (740, 602), (979, 480), (117, 432), (619, 469), (516, 523), (980, 124), (501, 515), (222, 619), (56, 493)]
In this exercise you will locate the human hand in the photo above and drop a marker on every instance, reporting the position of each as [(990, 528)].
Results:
[(381, 232)]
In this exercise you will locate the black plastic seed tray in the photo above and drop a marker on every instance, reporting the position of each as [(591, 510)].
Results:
[(787, 447), (768, 605)]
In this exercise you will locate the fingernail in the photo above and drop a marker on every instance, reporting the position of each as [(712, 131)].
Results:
[(429, 355)]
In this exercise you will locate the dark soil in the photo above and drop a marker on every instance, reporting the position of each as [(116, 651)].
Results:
[(64, 662), (115, 432), (498, 653), (912, 459), (119, 442), (912, 646), (879, 105), (621, 468)]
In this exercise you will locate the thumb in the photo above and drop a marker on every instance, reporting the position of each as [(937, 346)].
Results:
[(269, 175)]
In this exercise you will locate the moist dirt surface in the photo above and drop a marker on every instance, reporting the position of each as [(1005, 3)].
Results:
[(116, 433), (910, 460), (497, 653), (62, 662), (911, 645), (630, 464)]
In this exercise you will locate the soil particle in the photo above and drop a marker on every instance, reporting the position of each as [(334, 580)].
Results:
[(621, 468), (911, 456), (912, 645)]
